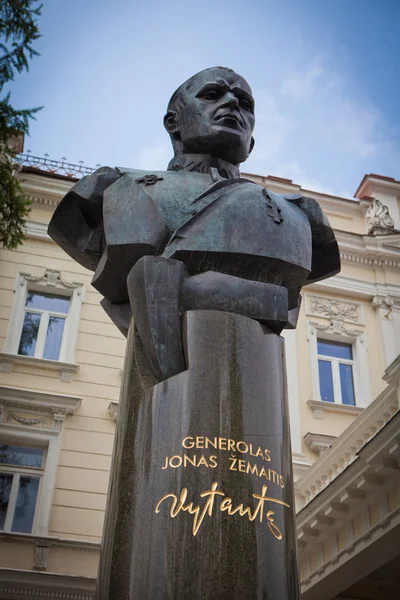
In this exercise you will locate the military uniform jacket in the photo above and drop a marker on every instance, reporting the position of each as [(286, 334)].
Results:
[(112, 218)]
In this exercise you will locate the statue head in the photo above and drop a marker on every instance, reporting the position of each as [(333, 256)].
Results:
[(212, 113)]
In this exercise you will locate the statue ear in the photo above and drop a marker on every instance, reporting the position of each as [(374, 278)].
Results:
[(171, 122), (251, 145)]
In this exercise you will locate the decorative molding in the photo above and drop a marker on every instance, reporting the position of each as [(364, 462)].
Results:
[(113, 410), (371, 534), (66, 374), (37, 230), (6, 365), (332, 308), (356, 288), (33, 400), (51, 541), (378, 219), (46, 201), (388, 314), (51, 277), (58, 420), (337, 327), (372, 181), (380, 301), (320, 407), (44, 190), (369, 251), (319, 442), (41, 556), (359, 482), (369, 261), (24, 420), (318, 326), (15, 583), (392, 373)]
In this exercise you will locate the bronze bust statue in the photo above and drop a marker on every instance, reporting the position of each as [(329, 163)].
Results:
[(197, 236)]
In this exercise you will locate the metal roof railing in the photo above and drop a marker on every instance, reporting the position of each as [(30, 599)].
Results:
[(56, 167)]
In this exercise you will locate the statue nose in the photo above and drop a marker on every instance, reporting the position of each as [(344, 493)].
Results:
[(231, 100)]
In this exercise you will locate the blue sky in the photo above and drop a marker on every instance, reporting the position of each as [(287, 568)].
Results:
[(325, 75)]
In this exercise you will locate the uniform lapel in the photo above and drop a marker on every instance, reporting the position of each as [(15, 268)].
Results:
[(204, 201)]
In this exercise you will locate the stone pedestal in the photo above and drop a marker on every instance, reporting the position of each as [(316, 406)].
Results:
[(201, 496)]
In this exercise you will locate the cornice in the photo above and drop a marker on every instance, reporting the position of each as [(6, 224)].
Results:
[(45, 191), (50, 540), (335, 204), (372, 182), (385, 524), (21, 398), (385, 441), (319, 442), (344, 450), (319, 407), (392, 373), (36, 230), (356, 288), (369, 261), (363, 482), (369, 251), (15, 583), (7, 360), (44, 201)]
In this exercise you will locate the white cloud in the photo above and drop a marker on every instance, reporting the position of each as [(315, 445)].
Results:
[(316, 129), (274, 126), (302, 83)]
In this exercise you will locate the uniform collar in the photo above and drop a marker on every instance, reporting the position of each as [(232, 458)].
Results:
[(201, 163)]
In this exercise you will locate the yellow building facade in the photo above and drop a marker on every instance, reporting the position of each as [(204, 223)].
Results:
[(61, 362)]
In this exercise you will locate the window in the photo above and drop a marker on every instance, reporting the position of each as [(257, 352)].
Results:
[(335, 368), (21, 472), (43, 325), (30, 441)]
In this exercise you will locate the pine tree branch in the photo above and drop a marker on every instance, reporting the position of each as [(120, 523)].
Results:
[(19, 29)]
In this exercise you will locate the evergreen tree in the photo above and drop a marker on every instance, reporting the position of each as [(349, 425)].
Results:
[(18, 31)]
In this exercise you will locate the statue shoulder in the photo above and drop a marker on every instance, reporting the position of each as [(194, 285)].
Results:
[(147, 176), (325, 250)]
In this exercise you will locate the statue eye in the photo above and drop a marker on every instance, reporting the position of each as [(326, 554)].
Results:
[(211, 94), (246, 104)]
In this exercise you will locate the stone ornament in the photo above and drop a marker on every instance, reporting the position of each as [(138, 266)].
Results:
[(379, 221), (26, 421), (52, 278), (335, 309)]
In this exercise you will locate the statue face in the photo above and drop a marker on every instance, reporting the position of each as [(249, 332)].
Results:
[(214, 114)]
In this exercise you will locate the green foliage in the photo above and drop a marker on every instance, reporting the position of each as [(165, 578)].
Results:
[(18, 31)]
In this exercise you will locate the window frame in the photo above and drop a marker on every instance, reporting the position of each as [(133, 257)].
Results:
[(51, 282), (333, 332), (336, 379), (17, 472), (44, 323), (29, 417), (50, 440)]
